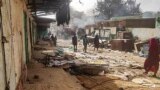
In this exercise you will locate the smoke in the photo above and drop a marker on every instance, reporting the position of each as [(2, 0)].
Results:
[(83, 21)]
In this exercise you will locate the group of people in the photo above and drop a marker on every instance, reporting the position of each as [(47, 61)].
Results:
[(150, 64), (54, 40), (85, 42)]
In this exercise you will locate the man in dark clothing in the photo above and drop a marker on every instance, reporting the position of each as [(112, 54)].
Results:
[(52, 38), (85, 42), (96, 42), (74, 42), (55, 41)]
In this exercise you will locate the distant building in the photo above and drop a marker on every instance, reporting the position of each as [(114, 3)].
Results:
[(148, 15), (158, 20)]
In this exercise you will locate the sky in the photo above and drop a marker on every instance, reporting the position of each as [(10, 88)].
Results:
[(88, 5), (146, 5)]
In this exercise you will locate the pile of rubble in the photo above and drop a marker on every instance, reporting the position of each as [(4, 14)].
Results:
[(81, 62), (61, 57), (104, 62)]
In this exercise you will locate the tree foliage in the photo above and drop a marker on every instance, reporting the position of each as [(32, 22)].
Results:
[(112, 8)]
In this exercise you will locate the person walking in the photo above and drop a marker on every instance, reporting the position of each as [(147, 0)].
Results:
[(152, 62), (74, 42), (52, 39), (55, 40), (85, 43), (96, 42)]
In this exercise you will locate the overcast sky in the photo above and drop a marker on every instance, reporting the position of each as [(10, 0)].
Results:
[(146, 5)]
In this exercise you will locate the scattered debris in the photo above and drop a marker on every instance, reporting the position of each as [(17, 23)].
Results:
[(95, 69), (138, 45), (36, 77), (143, 81), (56, 63), (39, 48), (88, 70), (144, 50), (136, 66), (121, 89)]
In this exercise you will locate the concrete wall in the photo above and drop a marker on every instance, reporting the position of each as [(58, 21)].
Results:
[(13, 30), (145, 33)]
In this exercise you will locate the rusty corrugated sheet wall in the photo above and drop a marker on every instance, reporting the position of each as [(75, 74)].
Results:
[(140, 23), (132, 23), (6, 19), (2, 68), (13, 30)]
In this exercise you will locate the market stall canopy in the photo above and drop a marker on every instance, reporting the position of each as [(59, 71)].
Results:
[(50, 7), (44, 21)]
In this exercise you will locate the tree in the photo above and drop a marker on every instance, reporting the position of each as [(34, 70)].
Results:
[(132, 7), (112, 8)]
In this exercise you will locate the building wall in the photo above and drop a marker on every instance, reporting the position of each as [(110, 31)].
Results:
[(13, 30), (132, 23), (145, 33), (140, 23), (2, 72), (5, 10)]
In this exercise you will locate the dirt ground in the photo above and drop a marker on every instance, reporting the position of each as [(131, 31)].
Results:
[(44, 78), (50, 79)]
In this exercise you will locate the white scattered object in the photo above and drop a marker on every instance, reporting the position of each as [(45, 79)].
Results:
[(143, 81)]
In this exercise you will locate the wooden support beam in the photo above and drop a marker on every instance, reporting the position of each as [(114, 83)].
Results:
[(45, 5), (34, 7), (0, 3)]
